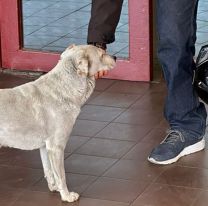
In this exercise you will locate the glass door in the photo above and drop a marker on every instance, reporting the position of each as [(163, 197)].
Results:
[(35, 32)]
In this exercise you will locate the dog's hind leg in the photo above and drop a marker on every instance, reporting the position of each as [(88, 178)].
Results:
[(56, 157), (48, 170)]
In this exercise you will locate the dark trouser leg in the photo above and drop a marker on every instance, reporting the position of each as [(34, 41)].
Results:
[(176, 29), (105, 15)]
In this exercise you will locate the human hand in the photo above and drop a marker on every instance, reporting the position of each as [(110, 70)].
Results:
[(100, 74)]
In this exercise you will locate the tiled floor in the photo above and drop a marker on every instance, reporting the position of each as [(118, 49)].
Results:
[(105, 159)]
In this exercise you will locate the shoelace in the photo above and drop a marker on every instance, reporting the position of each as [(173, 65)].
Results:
[(173, 136)]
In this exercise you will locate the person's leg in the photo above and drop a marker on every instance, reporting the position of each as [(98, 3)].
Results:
[(185, 114), (105, 15), (192, 44)]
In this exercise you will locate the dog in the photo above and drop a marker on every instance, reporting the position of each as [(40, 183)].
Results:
[(41, 114)]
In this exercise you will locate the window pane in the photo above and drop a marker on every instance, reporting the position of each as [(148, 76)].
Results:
[(51, 25)]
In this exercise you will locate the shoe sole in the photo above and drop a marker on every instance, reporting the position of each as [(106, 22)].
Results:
[(186, 151)]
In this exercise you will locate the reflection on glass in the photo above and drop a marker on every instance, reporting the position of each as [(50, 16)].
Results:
[(49, 25)]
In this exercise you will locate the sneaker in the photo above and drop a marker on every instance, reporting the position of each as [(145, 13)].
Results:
[(175, 146)]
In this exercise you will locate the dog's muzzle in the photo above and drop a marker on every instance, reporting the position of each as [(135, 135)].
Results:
[(114, 57)]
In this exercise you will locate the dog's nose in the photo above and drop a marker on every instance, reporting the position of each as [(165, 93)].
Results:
[(114, 57)]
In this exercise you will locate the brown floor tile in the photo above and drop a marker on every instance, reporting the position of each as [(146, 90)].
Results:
[(87, 128), (5, 154), (8, 195), (114, 99), (76, 182), (185, 176), (34, 198), (139, 152), (94, 94), (103, 84), (163, 124), (96, 202), (140, 117), (75, 142), (53, 199), (155, 136), (115, 189), (99, 113), (163, 195), (158, 87), (106, 148), (10, 81), (150, 101), (198, 160), (129, 87), (89, 165), (19, 177), (134, 170), (202, 199), (124, 132), (30, 159)]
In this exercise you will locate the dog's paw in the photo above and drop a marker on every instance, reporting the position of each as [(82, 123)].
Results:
[(69, 197)]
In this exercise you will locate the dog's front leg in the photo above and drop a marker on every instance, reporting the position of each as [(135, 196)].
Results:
[(56, 157), (48, 170)]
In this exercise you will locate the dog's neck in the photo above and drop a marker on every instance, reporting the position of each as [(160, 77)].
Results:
[(68, 66), (72, 86)]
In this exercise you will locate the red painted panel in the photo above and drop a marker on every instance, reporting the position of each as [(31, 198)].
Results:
[(136, 68)]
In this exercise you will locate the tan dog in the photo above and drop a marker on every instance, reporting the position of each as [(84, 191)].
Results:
[(41, 114)]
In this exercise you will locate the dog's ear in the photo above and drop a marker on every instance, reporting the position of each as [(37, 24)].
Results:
[(82, 66), (67, 52), (71, 46)]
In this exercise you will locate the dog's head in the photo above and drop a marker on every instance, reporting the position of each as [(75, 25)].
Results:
[(88, 59)]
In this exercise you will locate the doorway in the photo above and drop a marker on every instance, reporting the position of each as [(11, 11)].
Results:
[(34, 33)]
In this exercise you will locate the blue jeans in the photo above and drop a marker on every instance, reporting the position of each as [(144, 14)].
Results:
[(176, 24)]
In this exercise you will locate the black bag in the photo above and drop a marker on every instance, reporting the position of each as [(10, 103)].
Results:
[(201, 74)]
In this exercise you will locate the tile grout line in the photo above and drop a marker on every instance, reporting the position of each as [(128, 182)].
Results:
[(121, 156), (95, 137)]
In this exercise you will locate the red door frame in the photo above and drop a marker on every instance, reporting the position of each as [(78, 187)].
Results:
[(0, 32), (136, 68)]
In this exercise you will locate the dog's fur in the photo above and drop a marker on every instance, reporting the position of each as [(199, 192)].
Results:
[(41, 114)]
